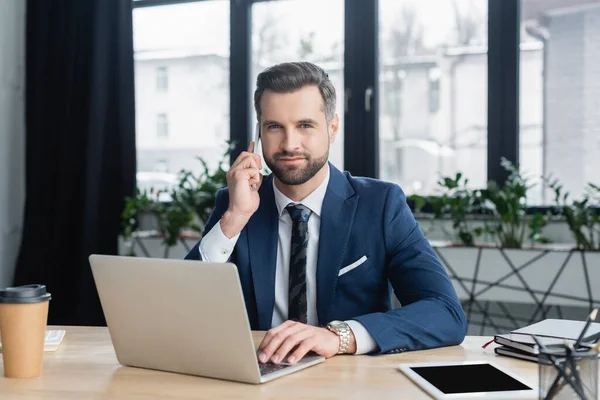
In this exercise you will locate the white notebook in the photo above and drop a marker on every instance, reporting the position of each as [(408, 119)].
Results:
[(52, 341), (559, 329)]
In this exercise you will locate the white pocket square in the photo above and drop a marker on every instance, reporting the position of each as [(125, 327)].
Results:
[(352, 266)]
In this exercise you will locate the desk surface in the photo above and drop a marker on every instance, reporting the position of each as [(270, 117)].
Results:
[(85, 367)]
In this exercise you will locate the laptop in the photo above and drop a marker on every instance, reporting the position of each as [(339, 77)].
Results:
[(182, 316)]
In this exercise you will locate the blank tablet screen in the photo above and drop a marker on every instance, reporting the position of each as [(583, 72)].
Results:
[(470, 378)]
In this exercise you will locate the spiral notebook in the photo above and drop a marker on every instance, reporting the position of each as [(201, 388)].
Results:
[(52, 341)]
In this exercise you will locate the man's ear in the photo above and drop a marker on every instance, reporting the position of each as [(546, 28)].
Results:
[(334, 126)]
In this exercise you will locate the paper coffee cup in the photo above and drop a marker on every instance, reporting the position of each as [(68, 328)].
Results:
[(23, 318)]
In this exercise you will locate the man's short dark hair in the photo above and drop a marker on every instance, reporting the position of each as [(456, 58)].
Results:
[(291, 77)]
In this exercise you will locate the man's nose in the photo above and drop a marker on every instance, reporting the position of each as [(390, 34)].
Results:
[(291, 140)]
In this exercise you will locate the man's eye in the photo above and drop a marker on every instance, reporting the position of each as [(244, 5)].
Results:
[(273, 126), (306, 126)]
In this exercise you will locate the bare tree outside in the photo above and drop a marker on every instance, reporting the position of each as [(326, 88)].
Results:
[(469, 24), (270, 38), (403, 45), (283, 31), (404, 40)]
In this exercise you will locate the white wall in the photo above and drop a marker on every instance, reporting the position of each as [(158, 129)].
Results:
[(12, 133)]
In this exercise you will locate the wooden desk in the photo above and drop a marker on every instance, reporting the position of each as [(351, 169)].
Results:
[(85, 367)]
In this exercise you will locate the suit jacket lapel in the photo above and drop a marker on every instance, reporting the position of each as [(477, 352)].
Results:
[(263, 230), (337, 217)]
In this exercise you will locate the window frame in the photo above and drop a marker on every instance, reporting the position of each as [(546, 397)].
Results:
[(361, 153)]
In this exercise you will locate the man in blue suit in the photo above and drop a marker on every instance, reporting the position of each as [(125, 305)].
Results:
[(317, 249)]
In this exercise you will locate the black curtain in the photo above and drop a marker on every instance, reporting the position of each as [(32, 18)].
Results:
[(80, 147)]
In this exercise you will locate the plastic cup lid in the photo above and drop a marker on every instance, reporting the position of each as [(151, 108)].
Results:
[(24, 294)]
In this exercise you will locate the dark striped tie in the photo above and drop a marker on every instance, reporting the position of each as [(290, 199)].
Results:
[(297, 309)]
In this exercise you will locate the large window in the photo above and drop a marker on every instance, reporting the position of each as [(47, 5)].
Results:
[(433, 91), (182, 85), (302, 30), (560, 110)]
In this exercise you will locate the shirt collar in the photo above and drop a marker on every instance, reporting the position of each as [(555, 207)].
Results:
[(314, 201)]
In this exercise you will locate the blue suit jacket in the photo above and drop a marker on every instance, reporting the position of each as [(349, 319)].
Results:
[(360, 217)]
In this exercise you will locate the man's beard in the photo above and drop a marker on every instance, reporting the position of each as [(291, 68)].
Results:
[(294, 175)]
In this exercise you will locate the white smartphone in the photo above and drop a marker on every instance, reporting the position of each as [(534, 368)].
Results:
[(256, 138)]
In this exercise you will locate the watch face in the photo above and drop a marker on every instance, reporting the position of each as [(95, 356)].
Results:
[(337, 324)]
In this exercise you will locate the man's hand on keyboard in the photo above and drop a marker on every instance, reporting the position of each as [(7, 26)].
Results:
[(293, 340)]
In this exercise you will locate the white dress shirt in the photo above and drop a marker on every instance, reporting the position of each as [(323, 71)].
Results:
[(216, 247)]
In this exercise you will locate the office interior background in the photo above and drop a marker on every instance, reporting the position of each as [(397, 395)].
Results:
[(99, 97)]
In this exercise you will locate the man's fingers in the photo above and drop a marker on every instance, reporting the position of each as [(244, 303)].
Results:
[(272, 332), (256, 181), (244, 157), (273, 340), (250, 175), (251, 147), (289, 344), (250, 161), (239, 159), (278, 340), (307, 345)]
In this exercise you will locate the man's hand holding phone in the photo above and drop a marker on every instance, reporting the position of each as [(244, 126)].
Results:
[(243, 180)]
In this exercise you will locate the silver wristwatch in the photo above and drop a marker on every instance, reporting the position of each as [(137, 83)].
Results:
[(341, 329)]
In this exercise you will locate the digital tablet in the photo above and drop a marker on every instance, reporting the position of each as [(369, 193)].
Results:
[(468, 380)]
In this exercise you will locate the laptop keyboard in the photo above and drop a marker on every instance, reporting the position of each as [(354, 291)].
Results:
[(269, 368)]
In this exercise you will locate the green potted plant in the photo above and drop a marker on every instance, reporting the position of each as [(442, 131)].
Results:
[(501, 208), (580, 215), (506, 208), (141, 211), (198, 192), (456, 202), (190, 205), (509, 271)]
